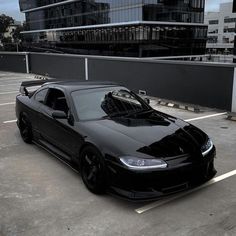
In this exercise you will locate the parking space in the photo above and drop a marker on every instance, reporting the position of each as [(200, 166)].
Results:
[(39, 195)]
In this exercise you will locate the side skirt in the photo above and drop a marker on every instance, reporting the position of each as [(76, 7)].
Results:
[(57, 153)]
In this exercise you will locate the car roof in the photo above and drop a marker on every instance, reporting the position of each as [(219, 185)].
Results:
[(81, 85)]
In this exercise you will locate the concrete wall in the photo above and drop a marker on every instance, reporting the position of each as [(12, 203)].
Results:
[(14, 62), (206, 84), (58, 66)]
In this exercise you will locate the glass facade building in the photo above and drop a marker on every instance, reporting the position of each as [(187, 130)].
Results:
[(234, 10), (116, 27), (234, 5)]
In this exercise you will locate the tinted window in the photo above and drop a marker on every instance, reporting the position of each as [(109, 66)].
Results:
[(41, 95), (99, 103), (80, 13), (56, 100)]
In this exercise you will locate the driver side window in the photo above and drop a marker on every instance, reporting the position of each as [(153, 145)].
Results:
[(56, 100)]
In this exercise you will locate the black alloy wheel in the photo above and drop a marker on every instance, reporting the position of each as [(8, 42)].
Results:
[(93, 170), (25, 129)]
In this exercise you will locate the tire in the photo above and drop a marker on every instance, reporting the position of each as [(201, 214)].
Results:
[(25, 129), (92, 170)]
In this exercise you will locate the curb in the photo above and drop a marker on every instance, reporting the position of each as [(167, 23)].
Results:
[(41, 77), (231, 116), (178, 106)]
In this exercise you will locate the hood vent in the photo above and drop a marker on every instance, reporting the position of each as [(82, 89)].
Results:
[(199, 136)]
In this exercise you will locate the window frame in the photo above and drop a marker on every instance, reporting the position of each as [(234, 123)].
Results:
[(61, 90), (41, 90)]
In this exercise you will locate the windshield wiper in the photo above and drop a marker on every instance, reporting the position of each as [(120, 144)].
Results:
[(127, 114), (139, 112), (115, 115)]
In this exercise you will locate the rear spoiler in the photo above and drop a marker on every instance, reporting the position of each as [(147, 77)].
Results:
[(32, 83)]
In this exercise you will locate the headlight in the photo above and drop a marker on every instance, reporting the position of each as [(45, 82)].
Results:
[(136, 163), (206, 148)]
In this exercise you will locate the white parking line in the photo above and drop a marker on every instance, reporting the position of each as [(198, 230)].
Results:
[(9, 121), (166, 200), (8, 103), (20, 78), (10, 92), (11, 81), (3, 85), (206, 117)]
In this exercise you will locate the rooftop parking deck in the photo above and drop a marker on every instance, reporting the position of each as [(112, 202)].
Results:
[(40, 195)]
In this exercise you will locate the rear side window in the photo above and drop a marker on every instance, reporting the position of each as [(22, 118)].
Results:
[(41, 95), (56, 100)]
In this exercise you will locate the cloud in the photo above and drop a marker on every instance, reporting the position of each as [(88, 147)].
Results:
[(213, 5)]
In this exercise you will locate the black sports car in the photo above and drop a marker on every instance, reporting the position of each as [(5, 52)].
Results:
[(117, 141)]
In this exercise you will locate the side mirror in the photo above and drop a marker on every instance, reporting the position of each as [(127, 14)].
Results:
[(147, 100), (59, 115)]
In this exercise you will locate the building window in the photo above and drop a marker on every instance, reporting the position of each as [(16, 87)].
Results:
[(212, 39), (229, 20), (213, 31), (229, 30), (213, 22)]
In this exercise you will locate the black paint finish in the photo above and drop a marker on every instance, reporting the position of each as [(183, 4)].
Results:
[(152, 135)]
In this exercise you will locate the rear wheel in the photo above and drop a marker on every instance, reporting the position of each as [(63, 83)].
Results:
[(25, 129), (93, 170)]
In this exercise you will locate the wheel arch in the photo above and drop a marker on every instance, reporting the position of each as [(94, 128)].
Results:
[(23, 124), (21, 114), (88, 144)]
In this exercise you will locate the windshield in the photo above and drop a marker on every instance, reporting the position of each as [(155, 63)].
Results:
[(99, 103)]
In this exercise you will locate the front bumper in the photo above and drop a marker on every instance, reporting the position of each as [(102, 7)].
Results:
[(149, 185)]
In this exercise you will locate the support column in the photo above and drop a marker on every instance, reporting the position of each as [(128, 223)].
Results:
[(27, 62), (86, 69), (234, 93)]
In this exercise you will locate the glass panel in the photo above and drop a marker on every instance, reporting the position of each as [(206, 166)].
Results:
[(174, 10), (137, 39), (80, 13), (112, 102), (155, 40)]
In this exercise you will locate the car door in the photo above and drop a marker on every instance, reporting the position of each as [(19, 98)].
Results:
[(37, 100), (57, 132)]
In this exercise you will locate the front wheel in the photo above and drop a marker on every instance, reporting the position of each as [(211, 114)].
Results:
[(93, 170), (25, 129)]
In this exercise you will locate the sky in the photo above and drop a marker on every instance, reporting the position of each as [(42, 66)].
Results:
[(11, 7)]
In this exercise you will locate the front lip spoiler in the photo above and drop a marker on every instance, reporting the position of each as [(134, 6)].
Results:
[(152, 195), (140, 193)]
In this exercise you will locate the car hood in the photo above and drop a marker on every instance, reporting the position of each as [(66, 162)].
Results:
[(159, 136)]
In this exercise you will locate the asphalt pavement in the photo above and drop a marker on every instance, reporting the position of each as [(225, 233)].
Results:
[(40, 195)]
